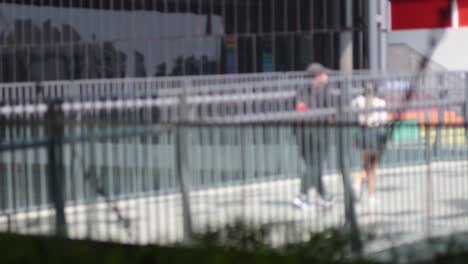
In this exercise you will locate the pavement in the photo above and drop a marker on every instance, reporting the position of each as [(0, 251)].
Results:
[(414, 203)]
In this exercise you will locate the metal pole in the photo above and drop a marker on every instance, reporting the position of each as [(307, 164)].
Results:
[(55, 131), (346, 38), (465, 107), (455, 15), (440, 121), (373, 36), (350, 213), (182, 169), (383, 32), (429, 194)]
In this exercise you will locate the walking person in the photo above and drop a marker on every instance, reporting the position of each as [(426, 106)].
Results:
[(369, 137), (314, 140)]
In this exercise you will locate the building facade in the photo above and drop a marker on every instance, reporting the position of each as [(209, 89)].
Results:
[(93, 39), (418, 24)]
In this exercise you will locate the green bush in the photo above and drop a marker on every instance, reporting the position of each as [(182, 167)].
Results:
[(235, 243), (245, 247)]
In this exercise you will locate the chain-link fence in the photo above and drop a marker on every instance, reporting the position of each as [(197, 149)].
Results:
[(154, 160)]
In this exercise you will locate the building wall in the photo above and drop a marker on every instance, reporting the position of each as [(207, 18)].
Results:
[(83, 39), (416, 23), (451, 51)]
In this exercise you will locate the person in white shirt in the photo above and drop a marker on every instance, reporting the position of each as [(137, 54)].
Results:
[(369, 137)]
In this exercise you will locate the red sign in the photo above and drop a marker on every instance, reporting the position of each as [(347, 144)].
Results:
[(420, 14), (463, 12)]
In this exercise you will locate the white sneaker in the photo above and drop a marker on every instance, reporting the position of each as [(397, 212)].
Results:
[(357, 191), (300, 203), (373, 201), (325, 200)]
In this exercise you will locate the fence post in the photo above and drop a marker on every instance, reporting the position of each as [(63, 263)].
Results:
[(351, 224), (465, 106), (440, 122), (55, 130), (428, 158), (182, 169)]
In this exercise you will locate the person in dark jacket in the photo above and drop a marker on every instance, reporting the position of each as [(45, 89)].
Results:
[(314, 139)]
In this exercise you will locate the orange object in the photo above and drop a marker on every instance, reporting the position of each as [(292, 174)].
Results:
[(450, 117)]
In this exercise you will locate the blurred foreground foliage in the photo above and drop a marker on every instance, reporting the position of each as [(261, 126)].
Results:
[(329, 246), (235, 243)]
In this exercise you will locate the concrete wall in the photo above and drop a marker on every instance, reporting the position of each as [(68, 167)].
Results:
[(451, 52)]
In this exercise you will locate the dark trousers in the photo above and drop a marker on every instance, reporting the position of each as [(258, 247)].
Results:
[(314, 144)]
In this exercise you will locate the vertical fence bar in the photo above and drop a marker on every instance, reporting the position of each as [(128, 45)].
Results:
[(465, 106), (438, 150), (55, 131), (428, 157), (181, 134), (350, 214)]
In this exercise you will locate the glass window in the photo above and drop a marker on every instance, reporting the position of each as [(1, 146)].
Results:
[(97, 4), (242, 15), (8, 64), (36, 62), (17, 24), (176, 56), (279, 15), (230, 47), (159, 5), (22, 62), (230, 16), (305, 13), (303, 50), (334, 14), (198, 7), (112, 60), (135, 54), (68, 34), (264, 53), (2, 65), (93, 62), (267, 15), (324, 45), (255, 16), (79, 61), (211, 62), (158, 58), (203, 22), (148, 23), (284, 52), (116, 38), (217, 26), (246, 56), (359, 48), (359, 15), (217, 7), (184, 16), (170, 6), (140, 4), (160, 28), (64, 63), (192, 56), (319, 14), (138, 19), (50, 62), (293, 15)]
